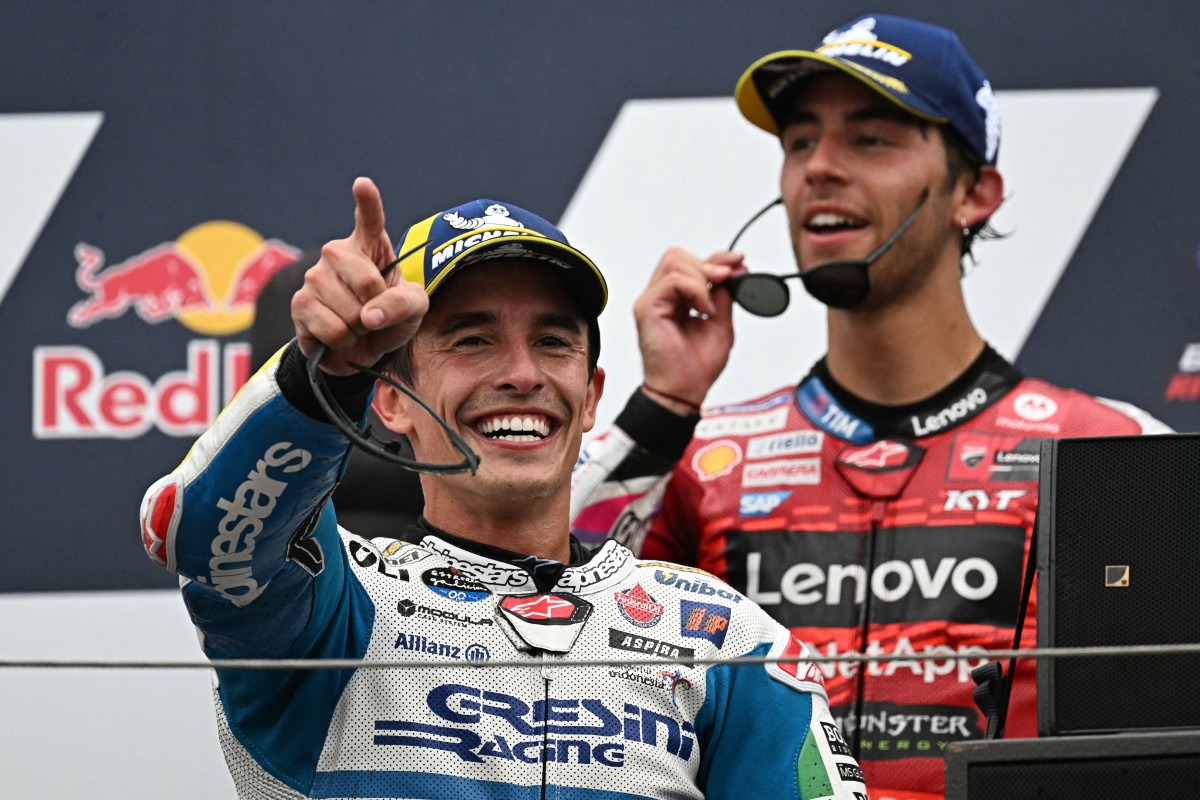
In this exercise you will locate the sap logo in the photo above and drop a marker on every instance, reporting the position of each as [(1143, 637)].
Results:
[(761, 503), (543, 726), (981, 500), (892, 581), (253, 501), (975, 399)]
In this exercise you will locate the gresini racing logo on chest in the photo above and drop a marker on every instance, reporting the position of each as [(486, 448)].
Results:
[(564, 730)]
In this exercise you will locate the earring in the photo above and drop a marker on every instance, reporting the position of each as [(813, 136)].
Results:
[(962, 221)]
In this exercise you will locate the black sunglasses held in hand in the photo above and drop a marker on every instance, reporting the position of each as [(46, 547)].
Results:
[(843, 283)]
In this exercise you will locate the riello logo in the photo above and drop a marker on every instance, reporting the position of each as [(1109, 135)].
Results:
[(75, 398)]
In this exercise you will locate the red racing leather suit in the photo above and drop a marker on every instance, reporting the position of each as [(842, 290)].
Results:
[(891, 530)]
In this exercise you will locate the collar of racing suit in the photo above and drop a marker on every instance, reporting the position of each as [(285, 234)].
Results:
[(545, 573), (986, 380)]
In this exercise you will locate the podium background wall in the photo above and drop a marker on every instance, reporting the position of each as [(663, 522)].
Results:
[(150, 127)]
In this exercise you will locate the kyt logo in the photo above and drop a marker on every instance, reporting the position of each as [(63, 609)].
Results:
[(981, 499)]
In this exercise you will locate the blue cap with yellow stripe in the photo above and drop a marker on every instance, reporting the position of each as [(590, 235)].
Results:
[(485, 230), (922, 68)]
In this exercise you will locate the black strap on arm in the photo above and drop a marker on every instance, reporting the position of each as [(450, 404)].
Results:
[(993, 687)]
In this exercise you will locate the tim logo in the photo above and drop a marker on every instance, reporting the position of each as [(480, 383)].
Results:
[(704, 621)]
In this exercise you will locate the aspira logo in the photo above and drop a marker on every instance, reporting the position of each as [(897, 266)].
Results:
[(554, 733), (805, 584), (230, 570)]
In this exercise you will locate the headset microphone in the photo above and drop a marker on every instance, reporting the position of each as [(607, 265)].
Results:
[(843, 283)]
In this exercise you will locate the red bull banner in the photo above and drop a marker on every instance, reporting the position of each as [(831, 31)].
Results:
[(206, 280)]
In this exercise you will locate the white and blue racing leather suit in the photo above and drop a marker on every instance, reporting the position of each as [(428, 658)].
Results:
[(489, 709)]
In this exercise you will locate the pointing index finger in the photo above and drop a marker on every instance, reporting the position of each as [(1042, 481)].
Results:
[(368, 215)]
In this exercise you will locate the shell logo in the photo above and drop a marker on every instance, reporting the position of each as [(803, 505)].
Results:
[(716, 459)]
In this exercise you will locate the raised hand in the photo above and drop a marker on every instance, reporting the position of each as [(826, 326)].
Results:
[(347, 303), (685, 327)]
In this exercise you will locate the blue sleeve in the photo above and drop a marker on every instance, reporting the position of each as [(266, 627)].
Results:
[(761, 737), (245, 519)]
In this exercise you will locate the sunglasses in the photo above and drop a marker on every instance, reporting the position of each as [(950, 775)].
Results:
[(842, 283)]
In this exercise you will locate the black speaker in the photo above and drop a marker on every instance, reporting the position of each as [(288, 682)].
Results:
[(1118, 564), (1124, 766)]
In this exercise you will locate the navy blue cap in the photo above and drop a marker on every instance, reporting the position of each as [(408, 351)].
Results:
[(484, 230), (922, 68)]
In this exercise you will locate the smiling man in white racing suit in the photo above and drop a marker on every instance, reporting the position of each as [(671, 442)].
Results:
[(492, 320)]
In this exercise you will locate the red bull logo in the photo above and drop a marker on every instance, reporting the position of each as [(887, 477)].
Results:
[(208, 279), (75, 397)]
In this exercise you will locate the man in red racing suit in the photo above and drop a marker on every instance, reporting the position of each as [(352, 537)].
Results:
[(885, 504), (793, 497)]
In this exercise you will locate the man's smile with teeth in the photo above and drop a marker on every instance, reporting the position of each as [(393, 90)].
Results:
[(827, 220), (515, 428)]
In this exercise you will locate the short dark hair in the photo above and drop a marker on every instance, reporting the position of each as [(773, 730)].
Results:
[(961, 160), (400, 363)]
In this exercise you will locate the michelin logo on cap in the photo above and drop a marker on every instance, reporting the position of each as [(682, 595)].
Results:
[(495, 214), (857, 41)]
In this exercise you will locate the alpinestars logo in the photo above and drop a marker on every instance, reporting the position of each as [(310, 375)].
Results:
[(230, 568)]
